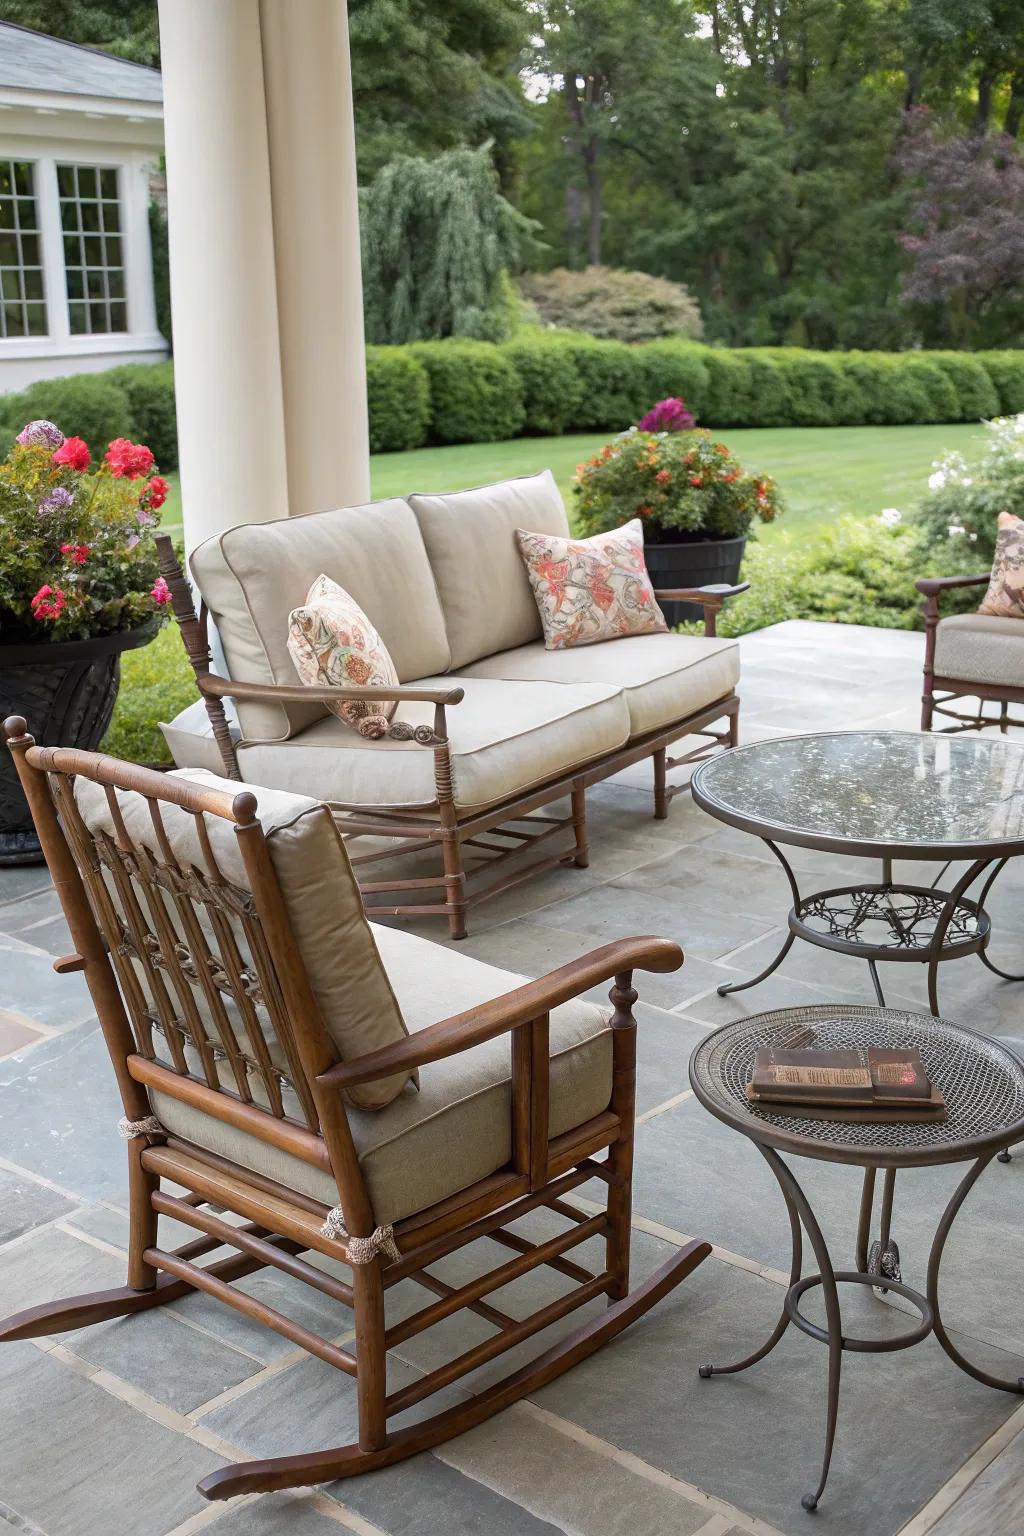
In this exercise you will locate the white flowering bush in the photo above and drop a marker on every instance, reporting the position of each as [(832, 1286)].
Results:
[(958, 514)]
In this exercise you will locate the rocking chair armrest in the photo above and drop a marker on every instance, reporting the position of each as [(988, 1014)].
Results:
[(508, 1012), (932, 586), (712, 596), (297, 693)]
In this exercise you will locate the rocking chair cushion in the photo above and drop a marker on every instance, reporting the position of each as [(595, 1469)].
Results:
[(324, 905), (430, 1144), (980, 648)]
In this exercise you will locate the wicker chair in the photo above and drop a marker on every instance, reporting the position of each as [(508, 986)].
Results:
[(969, 655), (280, 1059)]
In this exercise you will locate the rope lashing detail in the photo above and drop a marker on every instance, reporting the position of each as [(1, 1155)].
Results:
[(361, 1250), (129, 1129)]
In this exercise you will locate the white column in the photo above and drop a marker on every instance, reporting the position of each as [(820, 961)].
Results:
[(223, 283), (316, 244)]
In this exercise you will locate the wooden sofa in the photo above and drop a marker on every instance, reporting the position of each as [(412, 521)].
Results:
[(298, 1082), (491, 727), (969, 655)]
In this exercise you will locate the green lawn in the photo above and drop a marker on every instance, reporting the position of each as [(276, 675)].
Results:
[(823, 472)]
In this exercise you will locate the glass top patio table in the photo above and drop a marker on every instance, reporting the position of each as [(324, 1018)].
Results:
[(883, 793)]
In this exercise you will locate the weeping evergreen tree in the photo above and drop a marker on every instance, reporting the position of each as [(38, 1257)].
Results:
[(438, 239)]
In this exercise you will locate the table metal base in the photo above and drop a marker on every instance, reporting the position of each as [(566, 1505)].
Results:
[(802, 1219), (891, 923)]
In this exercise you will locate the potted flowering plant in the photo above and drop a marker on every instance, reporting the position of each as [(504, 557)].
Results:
[(78, 585), (696, 500)]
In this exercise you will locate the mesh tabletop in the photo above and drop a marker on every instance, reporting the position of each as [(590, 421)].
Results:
[(982, 1082)]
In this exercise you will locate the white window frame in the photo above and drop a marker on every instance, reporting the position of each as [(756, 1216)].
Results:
[(37, 199)]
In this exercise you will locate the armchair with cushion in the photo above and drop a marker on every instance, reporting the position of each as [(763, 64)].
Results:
[(343, 1102), (974, 655)]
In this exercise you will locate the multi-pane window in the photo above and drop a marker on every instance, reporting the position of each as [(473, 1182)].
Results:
[(22, 299), (90, 215)]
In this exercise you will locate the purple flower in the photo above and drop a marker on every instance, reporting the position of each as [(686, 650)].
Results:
[(40, 433), (668, 415), (144, 517), (133, 539), (58, 500)]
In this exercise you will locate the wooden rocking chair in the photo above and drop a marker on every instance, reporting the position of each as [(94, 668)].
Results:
[(266, 1067)]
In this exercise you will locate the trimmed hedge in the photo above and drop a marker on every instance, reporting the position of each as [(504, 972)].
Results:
[(546, 382)]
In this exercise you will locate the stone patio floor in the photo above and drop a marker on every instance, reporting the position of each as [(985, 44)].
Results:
[(107, 1429)]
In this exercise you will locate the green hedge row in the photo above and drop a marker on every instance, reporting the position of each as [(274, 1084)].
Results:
[(548, 383)]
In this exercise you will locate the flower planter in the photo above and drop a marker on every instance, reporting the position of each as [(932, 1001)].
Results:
[(66, 692), (693, 562)]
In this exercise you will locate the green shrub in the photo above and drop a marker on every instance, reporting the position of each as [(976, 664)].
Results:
[(86, 405), (398, 399), (150, 391), (613, 304), (730, 400), (900, 389), (614, 393), (818, 392), (475, 393), (958, 516), (156, 683), (552, 385), (674, 369), (1006, 370), (976, 394)]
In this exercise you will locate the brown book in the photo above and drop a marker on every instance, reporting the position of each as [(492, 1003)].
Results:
[(872, 1077), (931, 1109)]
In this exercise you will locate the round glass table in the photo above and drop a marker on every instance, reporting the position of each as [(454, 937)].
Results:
[(982, 1083), (888, 795)]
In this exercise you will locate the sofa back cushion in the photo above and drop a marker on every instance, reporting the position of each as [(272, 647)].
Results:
[(331, 933), (251, 577), (471, 541)]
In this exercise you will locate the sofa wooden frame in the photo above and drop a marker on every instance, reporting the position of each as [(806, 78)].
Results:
[(939, 692), (279, 1224), (511, 842)]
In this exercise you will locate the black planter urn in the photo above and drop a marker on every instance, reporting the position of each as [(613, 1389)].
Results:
[(66, 692), (695, 563)]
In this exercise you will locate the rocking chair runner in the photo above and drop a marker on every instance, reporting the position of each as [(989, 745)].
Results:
[(218, 997)]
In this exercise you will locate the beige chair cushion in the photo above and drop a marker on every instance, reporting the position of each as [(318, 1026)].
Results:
[(471, 541), (663, 677), (505, 738), (251, 577), (978, 648), (428, 1145), (326, 912)]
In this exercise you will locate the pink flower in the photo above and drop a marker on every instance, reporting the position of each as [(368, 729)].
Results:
[(132, 460), (74, 453), (48, 603), (161, 592), (79, 553), (156, 492)]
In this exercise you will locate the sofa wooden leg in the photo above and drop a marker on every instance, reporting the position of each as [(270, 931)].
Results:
[(661, 794), (734, 727), (371, 1381), (927, 706), (143, 1218), (454, 883), (579, 825)]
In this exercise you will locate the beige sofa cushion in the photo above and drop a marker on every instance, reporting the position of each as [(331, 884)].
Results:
[(326, 912), (253, 576), (663, 677), (979, 648), (471, 541), (428, 1145), (505, 737)]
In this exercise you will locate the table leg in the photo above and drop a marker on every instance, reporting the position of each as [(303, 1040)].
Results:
[(741, 986), (1006, 975), (949, 1215), (942, 927), (867, 1202)]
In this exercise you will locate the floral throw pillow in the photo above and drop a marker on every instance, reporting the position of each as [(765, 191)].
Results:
[(591, 589), (1005, 596), (332, 642)]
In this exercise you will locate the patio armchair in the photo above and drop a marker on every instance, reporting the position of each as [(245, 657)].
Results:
[(361, 1102), (969, 655)]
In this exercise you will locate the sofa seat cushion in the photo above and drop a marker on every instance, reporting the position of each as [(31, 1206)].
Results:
[(430, 1144), (505, 738), (325, 909), (251, 578), (662, 677), (979, 648), (470, 538)]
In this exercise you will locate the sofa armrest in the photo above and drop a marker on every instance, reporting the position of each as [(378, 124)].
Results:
[(934, 586), (711, 598), (297, 693), (511, 1011)]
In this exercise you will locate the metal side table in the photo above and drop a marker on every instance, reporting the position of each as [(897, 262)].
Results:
[(983, 1084)]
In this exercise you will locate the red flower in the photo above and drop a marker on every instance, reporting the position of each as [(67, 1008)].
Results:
[(695, 480), (161, 592), (663, 476), (79, 553), (131, 460), (155, 493), (74, 453), (48, 603)]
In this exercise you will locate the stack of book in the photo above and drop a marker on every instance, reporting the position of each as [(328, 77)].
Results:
[(859, 1085)]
